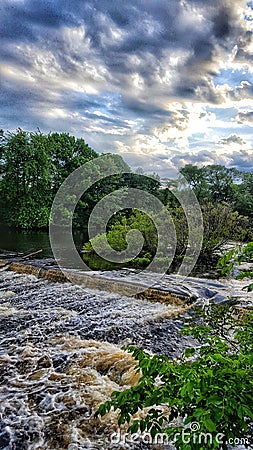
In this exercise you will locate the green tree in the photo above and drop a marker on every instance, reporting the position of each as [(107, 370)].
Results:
[(116, 235), (67, 154), (214, 183), (221, 224), (21, 171), (244, 195), (33, 166), (220, 182), (196, 177)]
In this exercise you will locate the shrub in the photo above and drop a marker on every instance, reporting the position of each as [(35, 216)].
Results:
[(210, 385)]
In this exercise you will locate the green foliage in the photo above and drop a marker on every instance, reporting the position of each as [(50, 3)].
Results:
[(230, 260), (33, 166), (197, 181), (210, 384), (244, 195), (116, 237), (221, 224), (213, 183)]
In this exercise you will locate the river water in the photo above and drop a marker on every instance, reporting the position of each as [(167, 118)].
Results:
[(61, 356), (24, 242)]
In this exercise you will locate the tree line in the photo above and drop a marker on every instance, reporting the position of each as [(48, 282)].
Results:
[(225, 196), (33, 166), (217, 184)]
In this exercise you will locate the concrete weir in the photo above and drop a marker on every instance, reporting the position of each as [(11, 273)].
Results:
[(168, 289), (100, 281)]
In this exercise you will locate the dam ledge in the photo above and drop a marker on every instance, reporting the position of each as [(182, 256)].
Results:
[(170, 289)]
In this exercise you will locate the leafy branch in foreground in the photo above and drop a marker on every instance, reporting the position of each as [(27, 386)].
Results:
[(210, 384), (235, 257)]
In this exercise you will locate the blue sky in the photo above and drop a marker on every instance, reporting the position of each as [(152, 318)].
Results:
[(154, 80)]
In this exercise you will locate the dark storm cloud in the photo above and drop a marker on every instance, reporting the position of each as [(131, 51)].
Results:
[(243, 160), (22, 105), (25, 20), (154, 29), (16, 97), (144, 108), (221, 26), (201, 159), (149, 28)]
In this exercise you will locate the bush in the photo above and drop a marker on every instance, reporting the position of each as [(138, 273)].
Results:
[(210, 386), (235, 257)]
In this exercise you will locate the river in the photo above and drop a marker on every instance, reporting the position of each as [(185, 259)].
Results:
[(61, 355), (27, 241)]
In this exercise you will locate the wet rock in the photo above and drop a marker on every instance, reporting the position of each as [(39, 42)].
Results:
[(44, 362), (2, 263), (26, 268)]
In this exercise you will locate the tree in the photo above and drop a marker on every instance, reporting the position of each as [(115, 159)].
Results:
[(116, 235), (221, 224), (33, 166), (67, 154), (25, 173), (213, 183), (220, 181), (244, 195), (196, 178)]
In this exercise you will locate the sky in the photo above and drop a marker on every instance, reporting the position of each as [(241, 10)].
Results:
[(159, 81)]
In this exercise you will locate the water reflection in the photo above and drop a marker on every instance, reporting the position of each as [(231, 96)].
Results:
[(17, 241)]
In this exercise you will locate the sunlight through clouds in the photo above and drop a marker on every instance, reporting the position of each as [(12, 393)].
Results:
[(173, 79)]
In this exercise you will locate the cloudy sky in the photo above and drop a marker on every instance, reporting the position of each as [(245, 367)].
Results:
[(156, 80)]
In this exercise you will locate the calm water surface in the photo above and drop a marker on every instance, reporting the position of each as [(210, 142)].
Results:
[(28, 241)]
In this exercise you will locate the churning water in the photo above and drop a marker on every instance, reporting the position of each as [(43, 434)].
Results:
[(60, 357)]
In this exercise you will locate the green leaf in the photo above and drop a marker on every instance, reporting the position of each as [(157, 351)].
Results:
[(209, 424), (189, 352), (134, 427)]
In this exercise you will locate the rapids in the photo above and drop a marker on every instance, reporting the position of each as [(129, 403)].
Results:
[(61, 356)]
